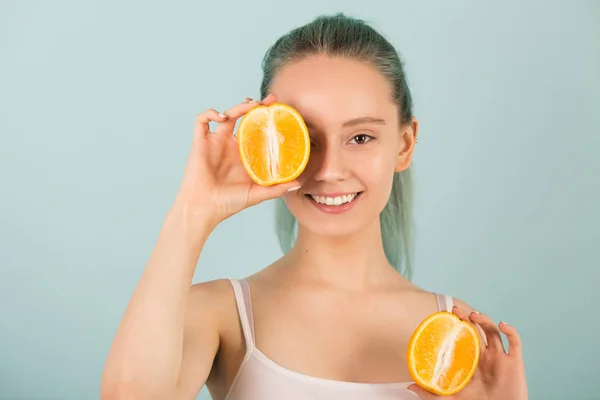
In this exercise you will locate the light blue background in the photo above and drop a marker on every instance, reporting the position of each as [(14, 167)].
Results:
[(97, 102)]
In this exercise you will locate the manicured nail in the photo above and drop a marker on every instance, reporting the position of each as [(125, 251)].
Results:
[(222, 115), (292, 189)]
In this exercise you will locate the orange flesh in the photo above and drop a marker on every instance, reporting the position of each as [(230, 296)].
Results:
[(274, 144), (443, 353)]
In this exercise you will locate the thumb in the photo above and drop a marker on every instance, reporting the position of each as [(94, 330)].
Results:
[(260, 193), (422, 393)]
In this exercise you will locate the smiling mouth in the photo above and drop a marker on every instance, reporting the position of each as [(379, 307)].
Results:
[(334, 201)]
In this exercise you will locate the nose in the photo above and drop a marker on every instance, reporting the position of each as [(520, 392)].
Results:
[(331, 165)]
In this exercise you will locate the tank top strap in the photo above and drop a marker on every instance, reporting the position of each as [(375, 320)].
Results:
[(243, 300), (445, 302)]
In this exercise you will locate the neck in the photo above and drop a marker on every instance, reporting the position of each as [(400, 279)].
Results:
[(351, 262)]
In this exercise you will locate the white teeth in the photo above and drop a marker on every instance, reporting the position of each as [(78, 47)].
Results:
[(334, 201)]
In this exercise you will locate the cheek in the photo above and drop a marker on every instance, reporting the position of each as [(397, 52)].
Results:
[(377, 175), (374, 167), (293, 201)]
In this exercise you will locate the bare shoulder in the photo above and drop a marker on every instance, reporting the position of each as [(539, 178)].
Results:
[(214, 299), (218, 289), (424, 302), (455, 300), (463, 305)]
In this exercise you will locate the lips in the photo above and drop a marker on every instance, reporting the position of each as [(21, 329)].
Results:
[(334, 203), (334, 200)]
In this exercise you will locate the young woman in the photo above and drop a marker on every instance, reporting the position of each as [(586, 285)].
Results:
[(331, 319)]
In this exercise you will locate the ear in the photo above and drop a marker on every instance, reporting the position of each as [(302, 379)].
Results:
[(408, 139)]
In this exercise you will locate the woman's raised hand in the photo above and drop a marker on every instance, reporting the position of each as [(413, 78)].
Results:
[(215, 184)]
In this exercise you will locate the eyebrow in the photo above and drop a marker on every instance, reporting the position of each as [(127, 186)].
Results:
[(356, 121), (364, 120)]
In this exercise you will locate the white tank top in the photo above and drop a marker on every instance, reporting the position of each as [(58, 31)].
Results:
[(260, 378)]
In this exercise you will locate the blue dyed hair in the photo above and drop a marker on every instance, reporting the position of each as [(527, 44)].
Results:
[(339, 35)]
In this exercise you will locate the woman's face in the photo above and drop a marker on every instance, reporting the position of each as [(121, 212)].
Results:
[(357, 142)]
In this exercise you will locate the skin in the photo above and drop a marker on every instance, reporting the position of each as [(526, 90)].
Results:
[(346, 298)]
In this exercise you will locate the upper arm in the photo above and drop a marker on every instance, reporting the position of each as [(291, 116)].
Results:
[(201, 337)]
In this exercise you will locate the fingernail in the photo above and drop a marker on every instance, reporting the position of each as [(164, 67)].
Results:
[(292, 189), (248, 99), (222, 115)]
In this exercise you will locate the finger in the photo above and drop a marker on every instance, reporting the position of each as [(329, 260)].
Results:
[(260, 193), (462, 314), (494, 340), (201, 125), (422, 393), (233, 114), (269, 99), (514, 340)]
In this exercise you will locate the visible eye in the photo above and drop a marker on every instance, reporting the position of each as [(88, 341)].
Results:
[(361, 139)]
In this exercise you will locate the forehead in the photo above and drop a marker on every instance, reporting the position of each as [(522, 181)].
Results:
[(328, 90)]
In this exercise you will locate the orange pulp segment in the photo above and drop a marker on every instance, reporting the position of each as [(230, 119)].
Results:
[(274, 144), (443, 353)]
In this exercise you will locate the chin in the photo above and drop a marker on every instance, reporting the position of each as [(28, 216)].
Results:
[(332, 229)]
